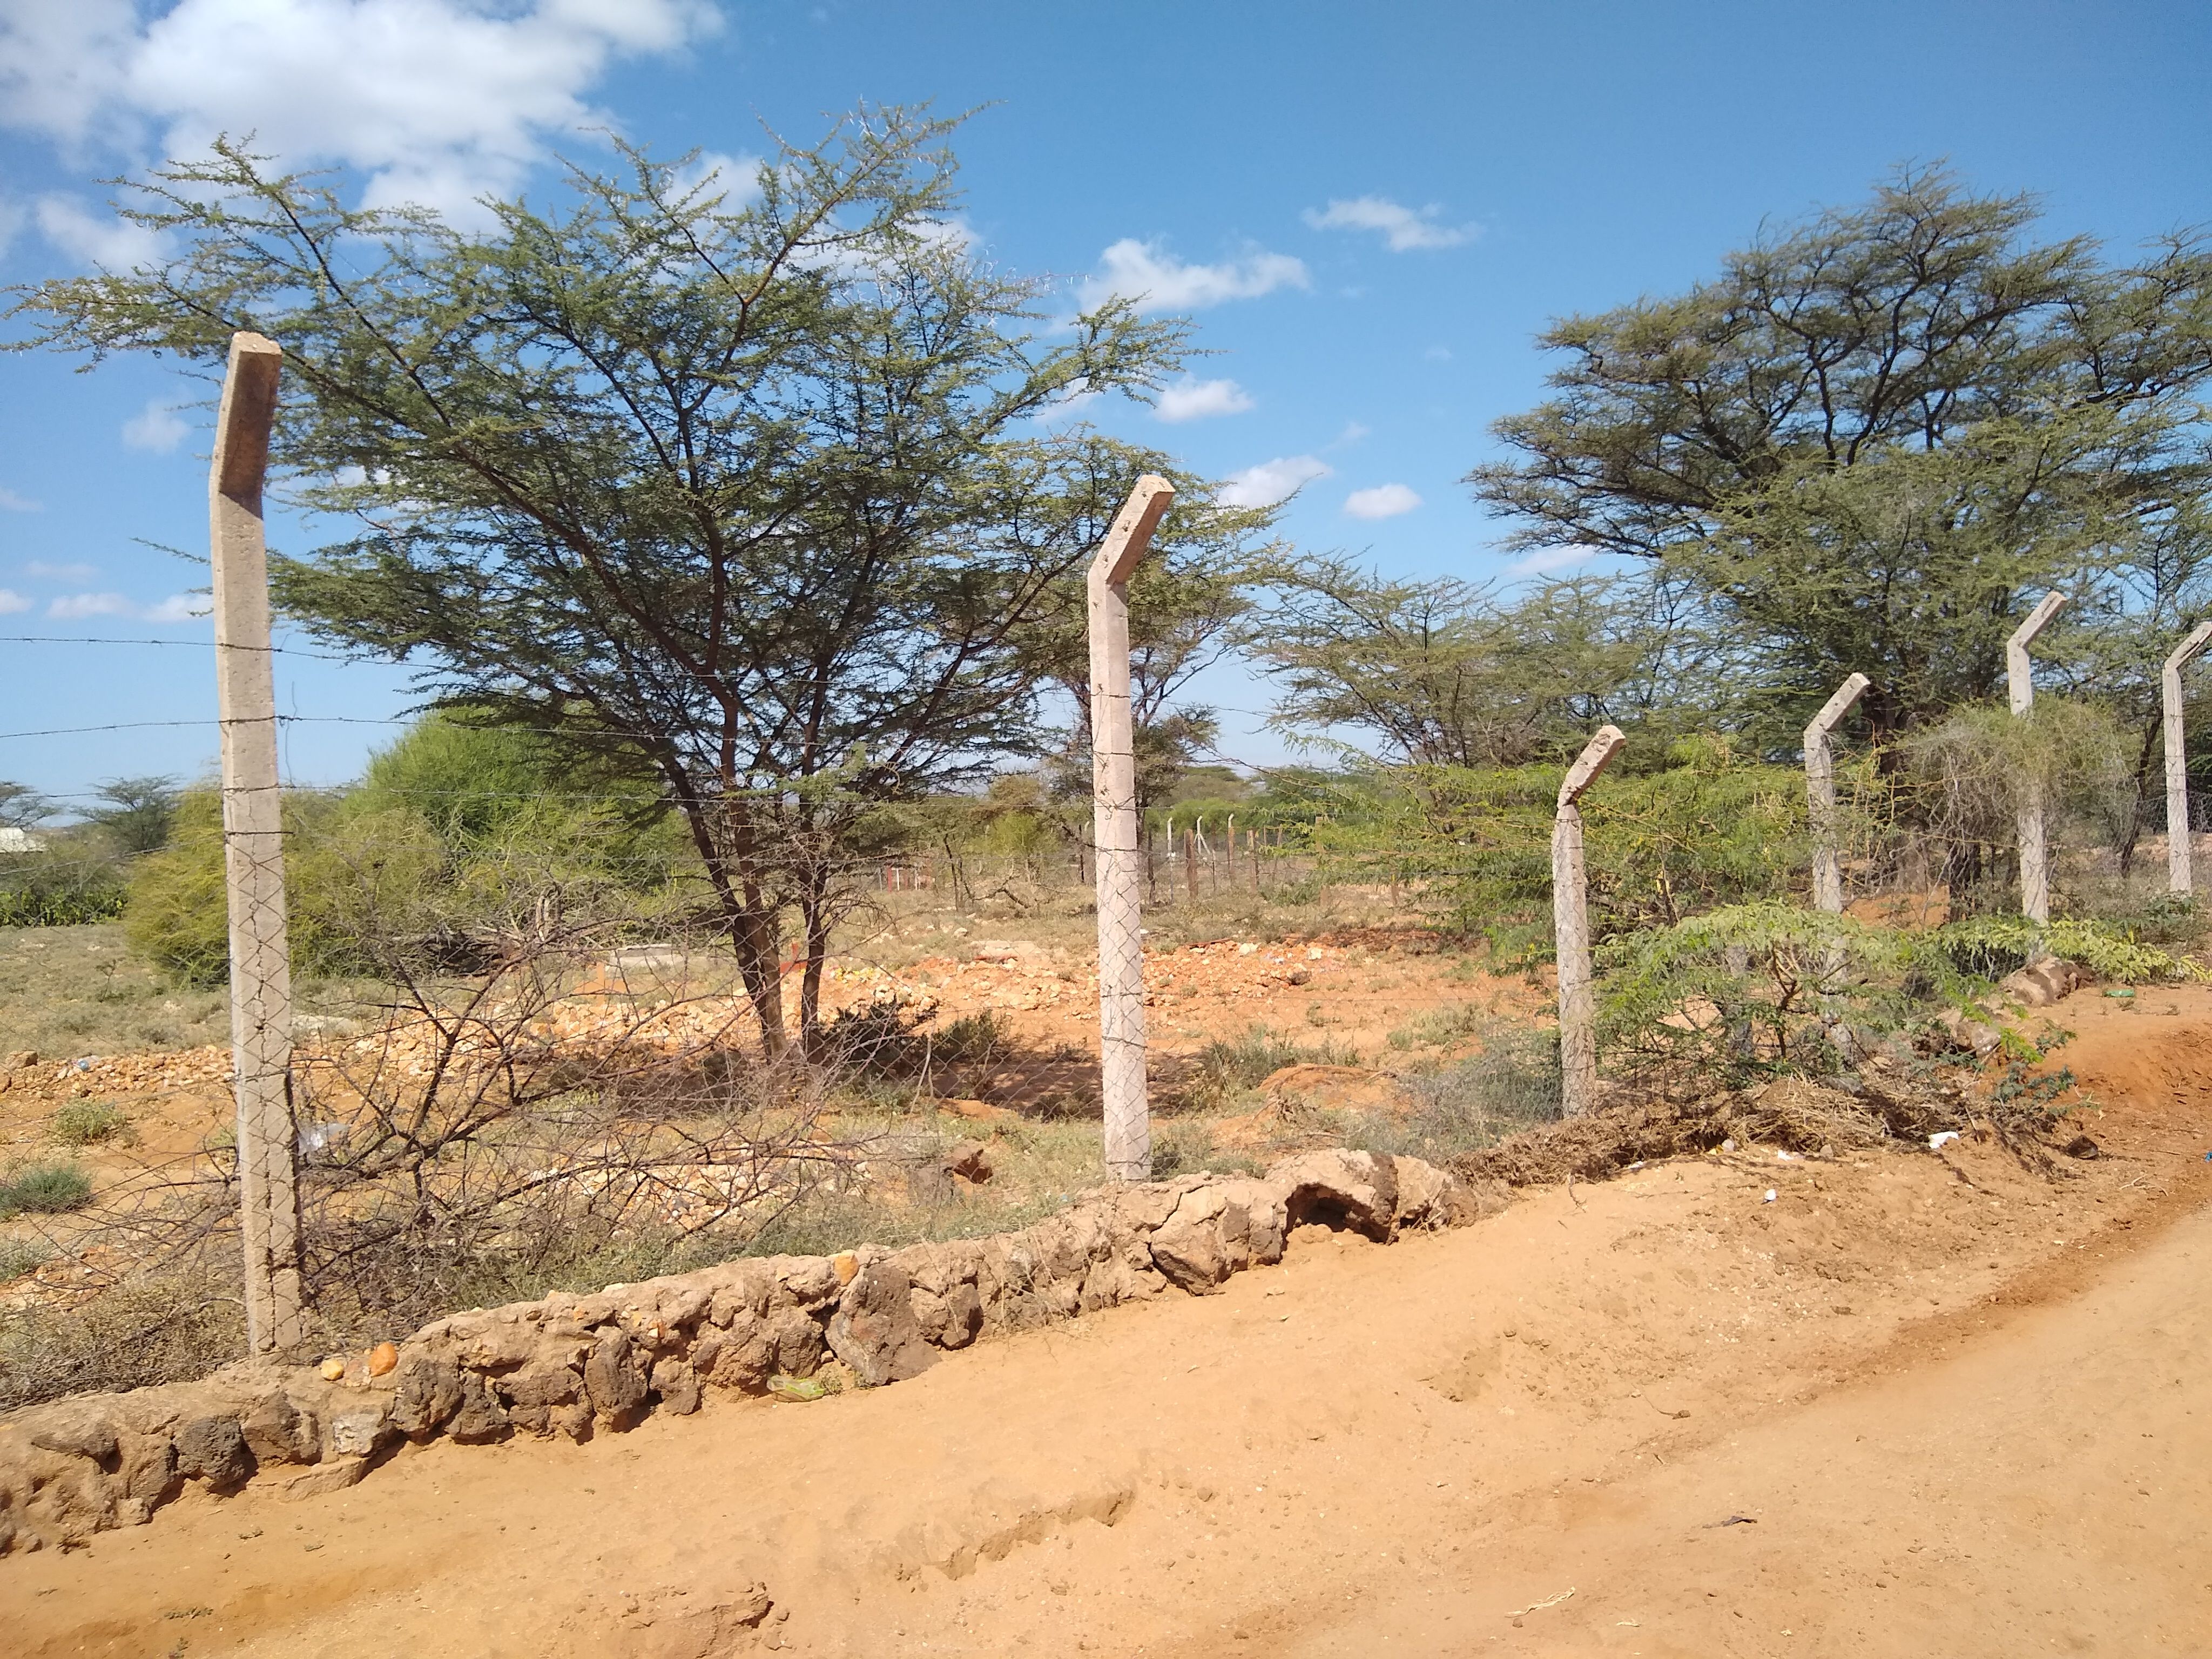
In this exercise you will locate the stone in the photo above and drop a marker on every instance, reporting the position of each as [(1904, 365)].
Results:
[(335, 1475), (744, 1288), (950, 1320), (1340, 1189), (612, 1382), (845, 1264), (967, 1160), (677, 1385), (2042, 983), (147, 1469), (874, 1330), (214, 1449), (360, 1432), (75, 1429), (1965, 1033), (381, 1358), (575, 1421), (811, 1281), (333, 1370), (480, 1417), (278, 1432), (429, 1391), (541, 1384), (1432, 1199), (494, 1345), (1220, 1229)]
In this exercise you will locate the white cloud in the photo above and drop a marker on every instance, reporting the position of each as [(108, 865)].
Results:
[(39, 570), (1550, 561), (1439, 354), (1403, 228), (1190, 400), (736, 177), (155, 428), (438, 101), (94, 237), (178, 607), (1159, 280), (1384, 501), (71, 605), (1353, 433), (1272, 481), (11, 602), (12, 502)]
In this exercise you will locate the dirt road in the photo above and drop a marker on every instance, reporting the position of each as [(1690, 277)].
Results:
[(1914, 1405)]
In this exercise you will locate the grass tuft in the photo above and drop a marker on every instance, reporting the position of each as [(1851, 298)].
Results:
[(44, 1190)]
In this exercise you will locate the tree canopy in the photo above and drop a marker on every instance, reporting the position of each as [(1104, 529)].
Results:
[(1876, 438), (739, 481)]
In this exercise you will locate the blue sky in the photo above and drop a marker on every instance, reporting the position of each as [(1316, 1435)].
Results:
[(1371, 209)]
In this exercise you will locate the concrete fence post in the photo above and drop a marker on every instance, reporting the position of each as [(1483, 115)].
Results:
[(1821, 795), (1117, 835), (2179, 878), (253, 849), (1571, 928), (2034, 863)]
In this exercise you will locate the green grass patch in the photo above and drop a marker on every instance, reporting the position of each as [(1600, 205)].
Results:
[(88, 1122), (44, 1190)]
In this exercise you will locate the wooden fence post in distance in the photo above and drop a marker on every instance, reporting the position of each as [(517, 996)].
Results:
[(1117, 835), (1821, 795), (1571, 928), (2179, 877), (2034, 864), (253, 850)]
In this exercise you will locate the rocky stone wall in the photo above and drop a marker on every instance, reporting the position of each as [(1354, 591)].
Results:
[(583, 1365)]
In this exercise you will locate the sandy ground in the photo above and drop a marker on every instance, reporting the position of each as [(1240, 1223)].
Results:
[(1915, 1405)]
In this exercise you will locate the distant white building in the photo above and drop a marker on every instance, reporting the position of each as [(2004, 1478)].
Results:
[(13, 840)]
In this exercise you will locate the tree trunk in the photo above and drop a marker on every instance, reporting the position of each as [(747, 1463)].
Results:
[(755, 928)]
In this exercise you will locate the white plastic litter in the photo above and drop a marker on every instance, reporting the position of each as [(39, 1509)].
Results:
[(1781, 1157), (1769, 1199), (1940, 1140)]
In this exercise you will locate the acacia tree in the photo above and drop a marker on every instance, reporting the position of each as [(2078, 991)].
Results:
[(1448, 673), (737, 481), (1876, 438)]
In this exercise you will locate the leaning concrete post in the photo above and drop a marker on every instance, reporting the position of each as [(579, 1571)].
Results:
[(1820, 794), (1571, 928), (2034, 867), (253, 850), (1117, 833), (2179, 876)]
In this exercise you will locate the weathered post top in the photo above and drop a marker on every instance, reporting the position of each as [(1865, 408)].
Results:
[(1124, 547), (2022, 687), (1596, 755), (242, 423), (1835, 708), (2189, 647)]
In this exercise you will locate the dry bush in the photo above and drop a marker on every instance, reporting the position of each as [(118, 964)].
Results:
[(549, 1121)]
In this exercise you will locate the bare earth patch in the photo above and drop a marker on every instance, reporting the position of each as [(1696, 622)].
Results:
[(1917, 1403)]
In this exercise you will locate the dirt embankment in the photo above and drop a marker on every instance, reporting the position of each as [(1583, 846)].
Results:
[(1914, 1403)]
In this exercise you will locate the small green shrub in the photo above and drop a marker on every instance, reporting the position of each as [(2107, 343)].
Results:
[(88, 1122), (19, 1256), (1512, 1085), (977, 1039), (1990, 947), (44, 1190), (1440, 1027), (1226, 1066)]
